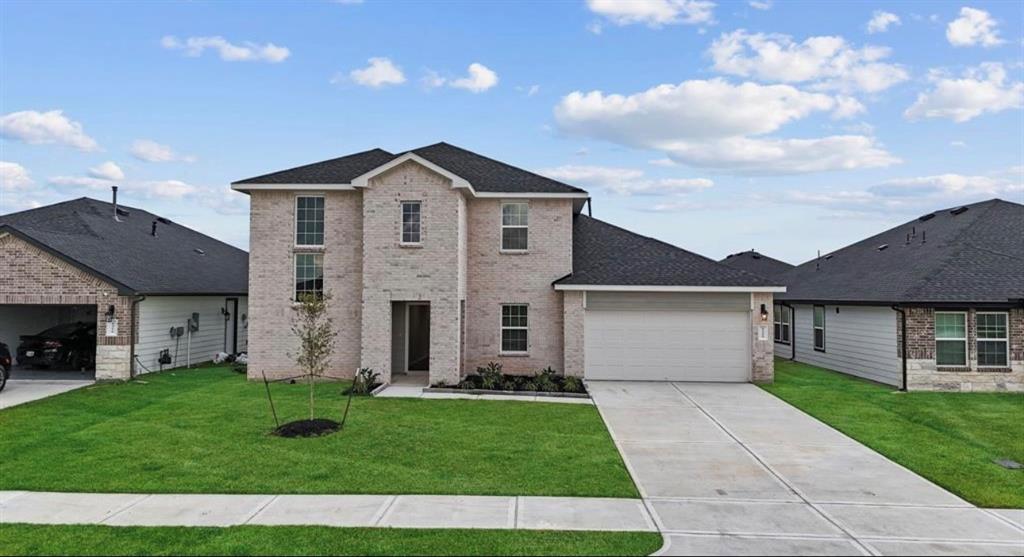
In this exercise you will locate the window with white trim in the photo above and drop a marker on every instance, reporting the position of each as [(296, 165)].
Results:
[(309, 275), (951, 338), (993, 343), (515, 217), (819, 328), (309, 221), (514, 328), (412, 213), (783, 319)]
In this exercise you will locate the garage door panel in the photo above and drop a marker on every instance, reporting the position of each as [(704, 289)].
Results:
[(667, 345)]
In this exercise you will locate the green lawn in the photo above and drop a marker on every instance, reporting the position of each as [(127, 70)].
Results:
[(949, 438), (21, 539), (208, 431)]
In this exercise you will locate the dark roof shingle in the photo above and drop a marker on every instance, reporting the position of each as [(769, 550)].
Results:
[(975, 255), (604, 254), (485, 174), (84, 232), (757, 263)]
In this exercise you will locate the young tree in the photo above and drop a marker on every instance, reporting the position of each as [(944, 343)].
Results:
[(316, 334)]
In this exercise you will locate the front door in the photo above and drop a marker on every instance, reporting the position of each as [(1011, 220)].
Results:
[(231, 325), (417, 336)]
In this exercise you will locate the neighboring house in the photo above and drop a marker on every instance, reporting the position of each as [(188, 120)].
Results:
[(439, 260), (137, 275), (757, 263), (933, 304)]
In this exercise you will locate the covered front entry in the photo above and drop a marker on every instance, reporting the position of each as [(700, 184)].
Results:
[(410, 337), (667, 337)]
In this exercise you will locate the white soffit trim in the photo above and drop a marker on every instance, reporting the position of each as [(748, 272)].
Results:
[(457, 181), (524, 195), (298, 187), (631, 288)]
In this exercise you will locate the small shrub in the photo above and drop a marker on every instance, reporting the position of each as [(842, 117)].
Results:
[(573, 384), (509, 383), (545, 380), (239, 367), (469, 382), (490, 376), (364, 381), (528, 385)]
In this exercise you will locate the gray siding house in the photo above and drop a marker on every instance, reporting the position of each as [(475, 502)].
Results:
[(936, 303)]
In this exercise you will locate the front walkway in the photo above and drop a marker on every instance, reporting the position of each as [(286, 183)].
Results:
[(20, 391), (728, 469), (381, 511)]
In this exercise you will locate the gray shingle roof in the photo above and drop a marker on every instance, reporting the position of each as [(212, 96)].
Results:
[(604, 254), (757, 263), (83, 231), (974, 255), (485, 174)]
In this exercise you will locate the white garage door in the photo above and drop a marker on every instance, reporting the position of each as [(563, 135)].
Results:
[(675, 345)]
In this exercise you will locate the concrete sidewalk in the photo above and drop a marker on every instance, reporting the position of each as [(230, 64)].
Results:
[(373, 511)]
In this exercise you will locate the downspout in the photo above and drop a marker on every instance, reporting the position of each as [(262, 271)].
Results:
[(903, 342), (134, 324), (792, 330)]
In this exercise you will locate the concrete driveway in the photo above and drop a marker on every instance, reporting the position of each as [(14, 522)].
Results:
[(728, 469), (20, 391)]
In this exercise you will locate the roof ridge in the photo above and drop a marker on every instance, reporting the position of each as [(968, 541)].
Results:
[(242, 181), (496, 161)]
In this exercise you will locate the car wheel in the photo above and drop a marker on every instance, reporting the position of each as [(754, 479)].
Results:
[(4, 372)]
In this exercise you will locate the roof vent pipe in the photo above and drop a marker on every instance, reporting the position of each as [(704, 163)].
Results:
[(924, 236), (115, 203), (153, 232)]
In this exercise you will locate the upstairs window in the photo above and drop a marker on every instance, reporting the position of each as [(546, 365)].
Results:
[(950, 338), (993, 339), (515, 219), (309, 275), (783, 320), (309, 221), (411, 222), (819, 328), (514, 328)]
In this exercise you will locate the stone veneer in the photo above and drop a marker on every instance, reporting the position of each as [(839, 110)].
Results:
[(30, 271), (762, 352), (923, 374)]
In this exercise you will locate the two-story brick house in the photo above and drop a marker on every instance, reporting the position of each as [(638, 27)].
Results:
[(440, 260)]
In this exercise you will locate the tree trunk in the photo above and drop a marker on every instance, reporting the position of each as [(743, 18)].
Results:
[(311, 397)]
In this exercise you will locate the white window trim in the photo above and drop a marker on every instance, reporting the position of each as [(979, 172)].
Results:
[(401, 222), (777, 320), (1005, 340), (814, 328), (502, 328), (503, 226), (967, 336), (295, 224), (295, 272)]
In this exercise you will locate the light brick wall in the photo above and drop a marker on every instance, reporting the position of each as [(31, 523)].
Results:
[(496, 278), (34, 276), (272, 280), (762, 352), (573, 331), (392, 272), (923, 373)]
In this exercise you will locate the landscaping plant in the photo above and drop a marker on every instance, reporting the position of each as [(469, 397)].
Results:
[(314, 329)]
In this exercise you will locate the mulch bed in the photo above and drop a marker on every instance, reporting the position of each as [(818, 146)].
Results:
[(308, 428)]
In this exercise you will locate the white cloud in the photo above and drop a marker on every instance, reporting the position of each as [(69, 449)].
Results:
[(664, 162), (625, 181), (946, 185), (958, 144), (828, 63), (973, 27), (37, 128), (245, 52), (480, 79), (847, 107), (151, 151), (107, 171), (654, 13), (760, 4), (13, 176), (982, 89), (81, 182), (171, 189), (881, 21), (709, 123), (528, 91), (380, 72)]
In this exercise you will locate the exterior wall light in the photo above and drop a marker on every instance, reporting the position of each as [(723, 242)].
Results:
[(764, 313)]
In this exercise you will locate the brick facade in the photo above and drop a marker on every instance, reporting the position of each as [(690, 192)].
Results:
[(762, 354), (34, 276), (573, 320), (924, 374)]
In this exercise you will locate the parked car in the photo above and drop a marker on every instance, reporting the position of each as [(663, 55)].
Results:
[(5, 365), (71, 345)]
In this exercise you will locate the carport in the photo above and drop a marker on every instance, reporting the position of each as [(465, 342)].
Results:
[(18, 320)]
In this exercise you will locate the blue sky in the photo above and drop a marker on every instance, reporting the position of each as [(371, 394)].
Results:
[(787, 127)]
